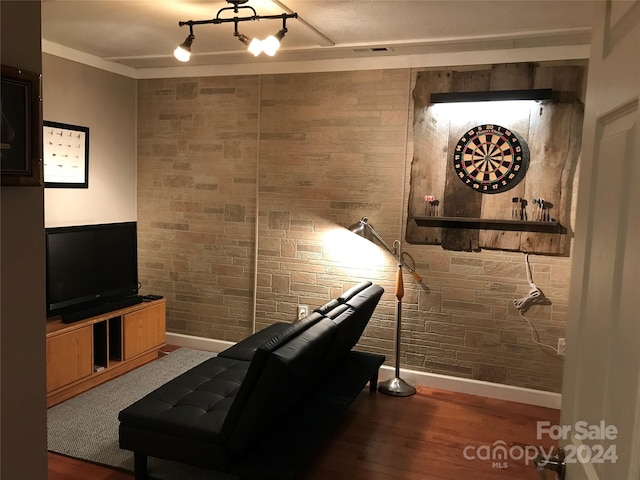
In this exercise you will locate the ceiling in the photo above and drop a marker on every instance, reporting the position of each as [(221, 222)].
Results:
[(142, 34)]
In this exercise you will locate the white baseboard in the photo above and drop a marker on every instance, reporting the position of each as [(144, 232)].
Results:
[(198, 343), (498, 391), (432, 380)]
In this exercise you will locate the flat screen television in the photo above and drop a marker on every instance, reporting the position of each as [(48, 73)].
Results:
[(91, 269)]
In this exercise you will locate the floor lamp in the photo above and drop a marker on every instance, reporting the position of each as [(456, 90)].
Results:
[(395, 386)]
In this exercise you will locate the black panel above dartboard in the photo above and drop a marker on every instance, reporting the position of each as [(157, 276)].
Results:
[(494, 177)]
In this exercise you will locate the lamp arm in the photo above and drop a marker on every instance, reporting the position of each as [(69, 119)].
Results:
[(413, 273), (395, 251), (392, 251)]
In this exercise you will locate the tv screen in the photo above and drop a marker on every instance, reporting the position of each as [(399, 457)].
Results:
[(90, 266)]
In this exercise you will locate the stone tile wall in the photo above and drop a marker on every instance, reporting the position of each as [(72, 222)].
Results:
[(321, 150), (197, 144)]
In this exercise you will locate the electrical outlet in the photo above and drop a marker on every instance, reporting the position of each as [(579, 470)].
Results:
[(562, 346), (303, 311)]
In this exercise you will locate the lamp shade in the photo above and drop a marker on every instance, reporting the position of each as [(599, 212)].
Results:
[(359, 228), (362, 228)]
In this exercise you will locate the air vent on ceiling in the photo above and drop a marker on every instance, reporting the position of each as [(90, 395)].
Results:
[(372, 49)]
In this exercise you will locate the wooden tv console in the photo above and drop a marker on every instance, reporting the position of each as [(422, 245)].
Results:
[(89, 352)]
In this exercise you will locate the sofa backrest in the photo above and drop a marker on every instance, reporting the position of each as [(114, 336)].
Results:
[(288, 374), (275, 334), (285, 367), (351, 292), (351, 319), (344, 298), (258, 356)]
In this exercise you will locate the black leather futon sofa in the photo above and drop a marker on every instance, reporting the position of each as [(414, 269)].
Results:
[(260, 409)]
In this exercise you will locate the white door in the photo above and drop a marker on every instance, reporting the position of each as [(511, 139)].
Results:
[(601, 391)]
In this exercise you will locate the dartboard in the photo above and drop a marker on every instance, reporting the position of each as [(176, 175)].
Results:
[(491, 159)]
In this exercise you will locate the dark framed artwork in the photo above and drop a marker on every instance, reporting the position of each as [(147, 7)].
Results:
[(20, 135), (66, 155)]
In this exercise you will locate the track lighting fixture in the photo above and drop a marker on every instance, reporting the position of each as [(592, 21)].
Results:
[(269, 45)]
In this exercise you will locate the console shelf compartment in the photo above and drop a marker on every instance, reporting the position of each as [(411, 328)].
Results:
[(89, 352)]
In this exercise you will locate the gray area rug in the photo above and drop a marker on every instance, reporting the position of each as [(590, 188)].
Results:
[(86, 426)]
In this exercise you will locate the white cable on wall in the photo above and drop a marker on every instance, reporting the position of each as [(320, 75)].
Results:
[(403, 210), (532, 297), (525, 302), (256, 230)]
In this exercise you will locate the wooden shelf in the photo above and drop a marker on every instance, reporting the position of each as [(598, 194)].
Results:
[(491, 224), (118, 341)]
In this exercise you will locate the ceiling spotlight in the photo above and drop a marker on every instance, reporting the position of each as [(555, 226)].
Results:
[(269, 46), (254, 45), (183, 51)]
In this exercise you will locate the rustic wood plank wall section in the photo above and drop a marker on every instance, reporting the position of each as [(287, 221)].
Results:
[(552, 130)]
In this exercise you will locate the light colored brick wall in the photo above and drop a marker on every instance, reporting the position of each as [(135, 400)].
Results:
[(322, 149), (197, 141), (461, 321), (332, 150)]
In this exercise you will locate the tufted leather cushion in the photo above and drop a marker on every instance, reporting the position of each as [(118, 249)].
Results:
[(193, 405)]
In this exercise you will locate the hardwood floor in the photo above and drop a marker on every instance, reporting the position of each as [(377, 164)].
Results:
[(65, 468), (423, 437)]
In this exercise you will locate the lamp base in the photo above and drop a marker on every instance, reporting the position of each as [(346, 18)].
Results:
[(396, 387)]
